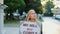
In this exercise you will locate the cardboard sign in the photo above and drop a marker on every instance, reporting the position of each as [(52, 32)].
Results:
[(29, 28)]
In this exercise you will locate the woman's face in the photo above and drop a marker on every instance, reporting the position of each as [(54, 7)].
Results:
[(33, 15)]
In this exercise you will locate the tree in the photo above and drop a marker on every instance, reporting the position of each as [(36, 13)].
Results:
[(48, 7), (22, 7), (13, 5), (33, 4)]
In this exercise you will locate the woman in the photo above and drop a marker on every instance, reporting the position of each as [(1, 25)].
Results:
[(31, 18)]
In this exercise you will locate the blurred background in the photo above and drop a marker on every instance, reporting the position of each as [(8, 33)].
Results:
[(17, 10)]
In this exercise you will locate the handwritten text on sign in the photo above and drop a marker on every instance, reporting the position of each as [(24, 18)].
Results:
[(29, 28)]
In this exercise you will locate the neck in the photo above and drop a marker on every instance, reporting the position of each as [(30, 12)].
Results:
[(32, 20)]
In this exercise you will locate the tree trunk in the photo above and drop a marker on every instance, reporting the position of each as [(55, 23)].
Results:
[(9, 17)]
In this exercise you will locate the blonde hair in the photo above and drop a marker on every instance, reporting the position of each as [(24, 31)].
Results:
[(28, 15)]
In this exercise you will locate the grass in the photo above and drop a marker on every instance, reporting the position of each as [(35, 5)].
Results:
[(11, 22)]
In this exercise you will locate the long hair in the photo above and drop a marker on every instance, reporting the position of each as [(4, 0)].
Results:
[(28, 16)]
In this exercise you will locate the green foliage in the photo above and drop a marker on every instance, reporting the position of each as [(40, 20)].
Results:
[(13, 5), (49, 4), (12, 22), (34, 4), (46, 14), (21, 5), (48, 7)]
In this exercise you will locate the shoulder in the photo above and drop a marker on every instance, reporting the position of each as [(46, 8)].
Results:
[(39, 23), (23, 22)]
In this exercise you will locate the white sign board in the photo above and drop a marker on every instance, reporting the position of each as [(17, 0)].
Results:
[(29, 28)]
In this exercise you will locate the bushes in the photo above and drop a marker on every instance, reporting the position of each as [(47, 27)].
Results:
[(48, 14)]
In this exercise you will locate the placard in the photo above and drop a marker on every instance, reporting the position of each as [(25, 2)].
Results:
[(29, 28)]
